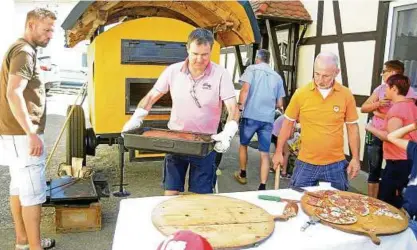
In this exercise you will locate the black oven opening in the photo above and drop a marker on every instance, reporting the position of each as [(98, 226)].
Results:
[(137, 88)]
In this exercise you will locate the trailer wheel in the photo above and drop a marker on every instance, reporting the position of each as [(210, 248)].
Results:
[(76, 132)]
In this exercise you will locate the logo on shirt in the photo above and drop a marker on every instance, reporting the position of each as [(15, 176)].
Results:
[(336, 108), (207, 86)]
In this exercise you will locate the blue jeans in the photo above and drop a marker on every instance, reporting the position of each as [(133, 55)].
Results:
[(249, 127), (412, 224), (306, 175), (202, 173)]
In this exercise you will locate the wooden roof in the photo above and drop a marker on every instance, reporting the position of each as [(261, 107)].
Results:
[(233, 22)]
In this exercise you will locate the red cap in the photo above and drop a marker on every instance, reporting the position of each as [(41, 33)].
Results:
[(185, 240)]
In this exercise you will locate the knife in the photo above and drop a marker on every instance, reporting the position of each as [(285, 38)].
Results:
[(313, 220), (298, 189), (275, 198)]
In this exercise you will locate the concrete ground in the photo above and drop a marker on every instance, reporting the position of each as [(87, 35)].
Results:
[(144, 179)]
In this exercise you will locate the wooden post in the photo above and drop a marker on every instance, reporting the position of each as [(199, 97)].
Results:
[(238, 60), (276, 55), (277, 175)]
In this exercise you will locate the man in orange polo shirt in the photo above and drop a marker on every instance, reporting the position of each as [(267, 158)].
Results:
[(322, 108)]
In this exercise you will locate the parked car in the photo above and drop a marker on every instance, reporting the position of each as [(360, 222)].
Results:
[(49, 73), (73, 78)]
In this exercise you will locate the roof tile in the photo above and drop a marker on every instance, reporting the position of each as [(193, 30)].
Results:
[(284, 9)]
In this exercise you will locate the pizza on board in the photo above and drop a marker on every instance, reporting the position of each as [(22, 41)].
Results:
[(338, 201), (336, 215), (322, 194), (359, 207), (315, 202)]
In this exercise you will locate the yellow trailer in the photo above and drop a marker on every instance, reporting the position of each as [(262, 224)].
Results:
[(124, 61)]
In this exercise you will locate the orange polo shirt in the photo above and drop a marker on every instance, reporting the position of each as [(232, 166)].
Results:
[(322, 121)]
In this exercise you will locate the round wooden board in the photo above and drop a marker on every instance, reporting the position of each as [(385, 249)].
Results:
[(370, 225), (225, 222)]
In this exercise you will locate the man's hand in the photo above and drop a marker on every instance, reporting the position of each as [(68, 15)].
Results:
[(135, 121), (224, 138), (35, 145), (353, 168), (277, 160)]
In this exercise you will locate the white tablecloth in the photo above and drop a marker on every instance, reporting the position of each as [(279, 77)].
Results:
[(134, 228)]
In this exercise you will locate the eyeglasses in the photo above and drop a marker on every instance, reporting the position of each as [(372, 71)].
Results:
[(194, 96), (385, 71)]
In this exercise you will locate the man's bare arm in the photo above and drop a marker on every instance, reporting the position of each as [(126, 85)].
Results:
[(284, 135), (371, 104), (15, 87), (280, 104), (396, 136), (243, 94), (232, 109), (353, 139), (381, 134), (150, 99)]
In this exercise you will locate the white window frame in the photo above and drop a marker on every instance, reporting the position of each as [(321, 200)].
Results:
[(394, 7)]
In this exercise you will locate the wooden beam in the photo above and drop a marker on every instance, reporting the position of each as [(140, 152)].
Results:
[(381, 32), (320, 13), (340, 45), (350, 37), (239, 61), (100, 20), (234, 71), (276, 55)]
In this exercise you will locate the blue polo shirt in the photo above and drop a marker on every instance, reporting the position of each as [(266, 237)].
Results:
[(266, 86)]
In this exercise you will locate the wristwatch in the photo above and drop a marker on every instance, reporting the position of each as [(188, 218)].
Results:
[(239, 106)]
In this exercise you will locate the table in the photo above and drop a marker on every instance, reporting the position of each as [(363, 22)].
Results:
[(134, 228)]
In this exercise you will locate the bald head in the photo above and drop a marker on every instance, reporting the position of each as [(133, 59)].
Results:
[(326, 68), (327, 58)]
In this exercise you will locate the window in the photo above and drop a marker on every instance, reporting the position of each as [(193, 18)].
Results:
[(84, 60), (404, 40)]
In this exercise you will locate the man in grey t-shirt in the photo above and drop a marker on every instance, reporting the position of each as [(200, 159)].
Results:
[(262, 92)]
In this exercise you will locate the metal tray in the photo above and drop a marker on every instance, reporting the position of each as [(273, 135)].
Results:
[(135, 140)]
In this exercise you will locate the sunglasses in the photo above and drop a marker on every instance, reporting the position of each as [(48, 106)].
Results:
[(385, 71)]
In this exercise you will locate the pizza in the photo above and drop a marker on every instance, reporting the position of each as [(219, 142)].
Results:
[(315, 202), (359, 207), (321, 194), (374, 203), (338, 201), (388, 213), (176, 135), (336, 215)]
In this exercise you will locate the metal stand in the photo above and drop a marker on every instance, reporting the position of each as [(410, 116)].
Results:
[(122, 192)]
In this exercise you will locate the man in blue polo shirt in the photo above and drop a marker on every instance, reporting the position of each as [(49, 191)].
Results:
[(410, 193), (262, 92)]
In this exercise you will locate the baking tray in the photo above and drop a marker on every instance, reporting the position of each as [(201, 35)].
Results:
[(135, 140)]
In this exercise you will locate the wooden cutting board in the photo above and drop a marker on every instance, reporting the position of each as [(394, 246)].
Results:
[(225, 222), (370, 225)]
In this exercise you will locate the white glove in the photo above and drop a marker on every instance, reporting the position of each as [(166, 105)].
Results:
[(224, 138), (135, 121)]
